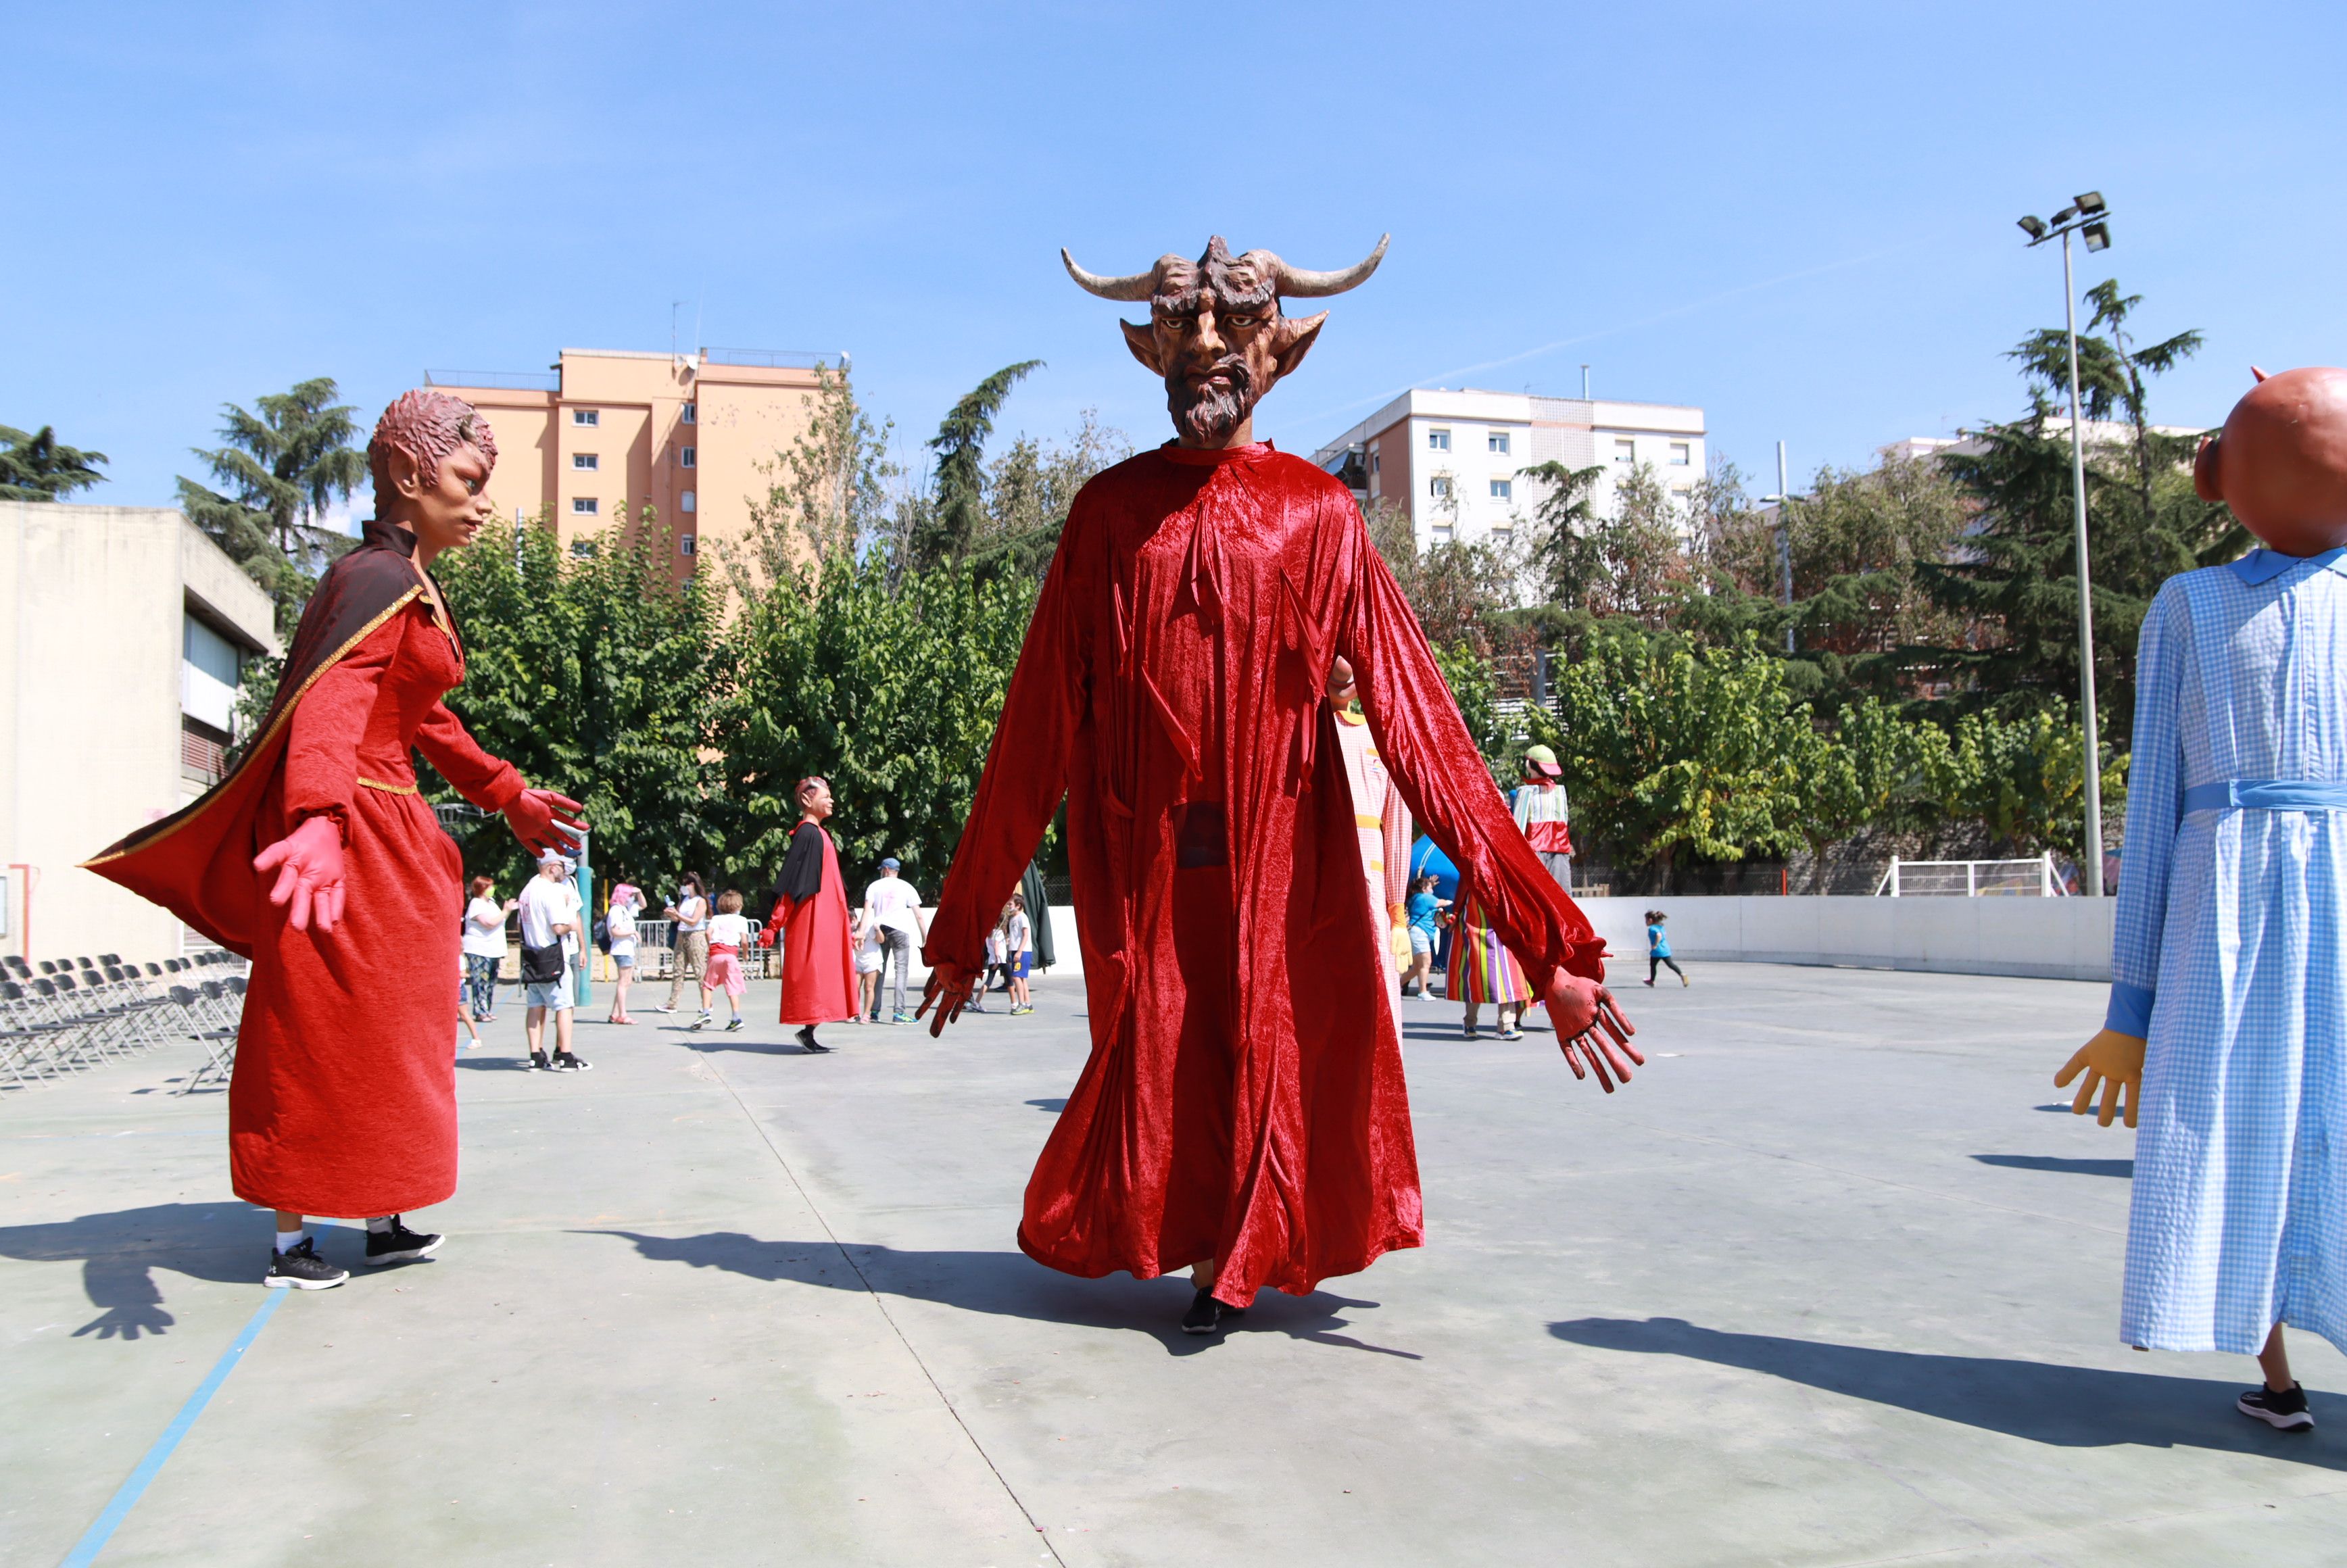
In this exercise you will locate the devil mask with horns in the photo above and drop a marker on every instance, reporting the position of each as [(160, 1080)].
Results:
[(1215, 332)]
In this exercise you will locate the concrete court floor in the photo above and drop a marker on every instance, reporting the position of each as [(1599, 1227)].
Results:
[(1829, 1284)]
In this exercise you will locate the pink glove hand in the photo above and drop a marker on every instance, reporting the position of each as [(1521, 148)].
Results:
[(308, 865), (1585, 1015), (539, 815), (949, 990)]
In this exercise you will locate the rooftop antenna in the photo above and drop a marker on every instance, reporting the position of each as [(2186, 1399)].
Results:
[(673, 306)]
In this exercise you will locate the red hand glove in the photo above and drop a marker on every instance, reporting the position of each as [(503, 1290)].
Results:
[(1585, 1014), (539, 815), (949, 992), (311, 874)]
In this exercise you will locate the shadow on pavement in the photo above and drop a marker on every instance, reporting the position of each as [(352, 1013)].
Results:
[(1005, 1284), (1057, 1105), (2056, 1164), (227, 1244), (2063, 1406)]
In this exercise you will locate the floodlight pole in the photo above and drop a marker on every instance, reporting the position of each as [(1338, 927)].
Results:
[(2094, 756)]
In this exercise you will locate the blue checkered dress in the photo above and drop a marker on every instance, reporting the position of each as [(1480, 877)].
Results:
[(2228, 958)]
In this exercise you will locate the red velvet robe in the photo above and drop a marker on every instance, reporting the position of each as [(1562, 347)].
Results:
[(818, 959), (343, 1101), (1243, 1099)]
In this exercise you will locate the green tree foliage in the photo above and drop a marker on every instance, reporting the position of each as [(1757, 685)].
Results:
[(285, 461), (832, 493), (36, 468), (595, 674), (958, 510), (1029, 489), (1468, 673)]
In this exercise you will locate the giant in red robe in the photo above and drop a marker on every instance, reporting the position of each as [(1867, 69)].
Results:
[(1243, 1099), (343, 1101), (811, 906)]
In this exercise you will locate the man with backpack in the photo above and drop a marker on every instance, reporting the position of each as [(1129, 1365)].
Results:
[(549, 945)]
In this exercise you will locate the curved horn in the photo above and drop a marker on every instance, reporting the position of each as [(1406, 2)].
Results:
[(1133, 286), (1297, 283)]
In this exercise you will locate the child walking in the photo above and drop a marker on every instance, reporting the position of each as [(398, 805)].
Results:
[(865, 932), (729, 933), (994, 965), (1015, 943), (1658, 947)]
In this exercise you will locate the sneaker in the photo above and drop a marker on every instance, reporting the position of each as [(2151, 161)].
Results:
[(808, 1043), (538, 1063), (977, 1007), (399, 1245), (2284, 1412), (1512, 1033), (565, 1062), (1649, 984), (1024, 1007), (732, 1026), (1205, 1316), (903, 1018), (1472, 1032), (1684, 981), (701, 1022), (300, 1268), (670, 1007)]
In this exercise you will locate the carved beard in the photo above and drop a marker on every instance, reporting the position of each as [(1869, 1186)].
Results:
[(1206, 412)]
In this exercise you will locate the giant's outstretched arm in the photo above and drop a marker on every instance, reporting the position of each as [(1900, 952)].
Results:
[(1026, 774), (540, 819), (1441, 772)]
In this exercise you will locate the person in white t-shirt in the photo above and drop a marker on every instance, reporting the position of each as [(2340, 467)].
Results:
[(893, 903), (620, 932), (483, 946), (729, 933), (549, 918)]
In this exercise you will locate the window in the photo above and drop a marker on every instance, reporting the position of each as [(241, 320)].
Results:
[(691, 415), (586, 461), (1495, 441), (1439, 487), (1625, 451), (586, 416), (1503, 536), (684, 543), (1681, 454), (1437, 440), (1502, 489), (1441, 533), (583, 505), (687, 457), (1373, 468), (582, 547), (684, 503)]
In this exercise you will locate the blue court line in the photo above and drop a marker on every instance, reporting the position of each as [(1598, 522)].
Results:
[(127, 1496)]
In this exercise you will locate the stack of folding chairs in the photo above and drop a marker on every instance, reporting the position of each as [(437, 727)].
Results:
[(65, 1015)]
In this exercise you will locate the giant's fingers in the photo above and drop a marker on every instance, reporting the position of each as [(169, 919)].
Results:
[(268, 858), (2111, 1087), (300, 917), (2085, 1096), (2134, 1094), (287, 880), (2070, 1069), (1614, 1054), (1571, 1060)]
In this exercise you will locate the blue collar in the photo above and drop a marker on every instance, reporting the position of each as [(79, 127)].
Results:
[(2264, 564)]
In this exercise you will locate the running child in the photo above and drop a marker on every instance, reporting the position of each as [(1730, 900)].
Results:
[(1658, 947)]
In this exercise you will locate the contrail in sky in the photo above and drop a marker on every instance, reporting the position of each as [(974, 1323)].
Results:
[(1671, 314)]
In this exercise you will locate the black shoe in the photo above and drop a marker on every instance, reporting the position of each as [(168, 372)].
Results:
[(2284, 1412), (538, 1063), (565, 1062), (1205, 1314), (399, 1245), (300, 1268), (807, 1041), (733, 1025)]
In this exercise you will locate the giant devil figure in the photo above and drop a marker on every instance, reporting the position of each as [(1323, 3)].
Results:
[(2227, 1017), (317, 859), (1242, 1107)]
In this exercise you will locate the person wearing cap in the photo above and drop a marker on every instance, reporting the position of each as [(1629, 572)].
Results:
[(892, 903), (1540, 809), (549, 918)]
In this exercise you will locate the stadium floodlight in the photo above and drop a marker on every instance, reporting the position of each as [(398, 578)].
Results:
[(2087, 216)]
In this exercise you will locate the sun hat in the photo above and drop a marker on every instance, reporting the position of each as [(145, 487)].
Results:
[(1542, 758)]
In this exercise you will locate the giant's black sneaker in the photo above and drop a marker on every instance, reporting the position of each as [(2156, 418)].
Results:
[(399, 1245), (300, 1268)]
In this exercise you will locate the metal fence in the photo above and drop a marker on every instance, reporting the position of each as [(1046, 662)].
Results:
[(2036, 879)]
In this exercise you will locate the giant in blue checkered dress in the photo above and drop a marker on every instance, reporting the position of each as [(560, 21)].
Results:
[(2228, 956)]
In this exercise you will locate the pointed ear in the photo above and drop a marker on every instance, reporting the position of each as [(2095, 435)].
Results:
[(2207, 469), (1143, 341), (1296, 335), (2257, 372)]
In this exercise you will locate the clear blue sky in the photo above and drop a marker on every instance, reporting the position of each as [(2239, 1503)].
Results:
[(1797, 216)]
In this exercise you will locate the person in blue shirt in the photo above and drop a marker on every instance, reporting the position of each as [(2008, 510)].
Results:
[(1423, 911), (1658, 947)]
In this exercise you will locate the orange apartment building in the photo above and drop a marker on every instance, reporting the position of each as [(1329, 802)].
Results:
[(605, 433)]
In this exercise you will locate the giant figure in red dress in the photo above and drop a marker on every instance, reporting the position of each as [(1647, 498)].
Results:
[(1243, 1108), (317, 859), (811, 908)]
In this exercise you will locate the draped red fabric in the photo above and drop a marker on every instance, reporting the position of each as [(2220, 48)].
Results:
[(818, 959), (1244, 1099)]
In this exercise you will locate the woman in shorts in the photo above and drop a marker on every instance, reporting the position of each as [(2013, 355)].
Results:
[(619, 929)]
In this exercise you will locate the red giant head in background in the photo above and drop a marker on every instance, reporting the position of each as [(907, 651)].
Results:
[(1215, 332), (2280, 462)]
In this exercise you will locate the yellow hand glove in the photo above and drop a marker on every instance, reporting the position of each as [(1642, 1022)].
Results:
[(2113, 1063)]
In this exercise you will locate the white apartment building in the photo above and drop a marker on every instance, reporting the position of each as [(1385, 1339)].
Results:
[(1451, 459)]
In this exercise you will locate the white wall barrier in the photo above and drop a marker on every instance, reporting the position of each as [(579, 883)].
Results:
[(2040, 938)]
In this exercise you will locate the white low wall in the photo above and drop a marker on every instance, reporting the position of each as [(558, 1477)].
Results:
[(2042, 939)]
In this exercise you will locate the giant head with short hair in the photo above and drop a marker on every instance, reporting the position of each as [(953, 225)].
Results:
[(1216, 332), (426, 426)]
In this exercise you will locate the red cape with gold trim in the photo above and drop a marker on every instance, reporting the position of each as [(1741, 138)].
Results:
[(198, 861)]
